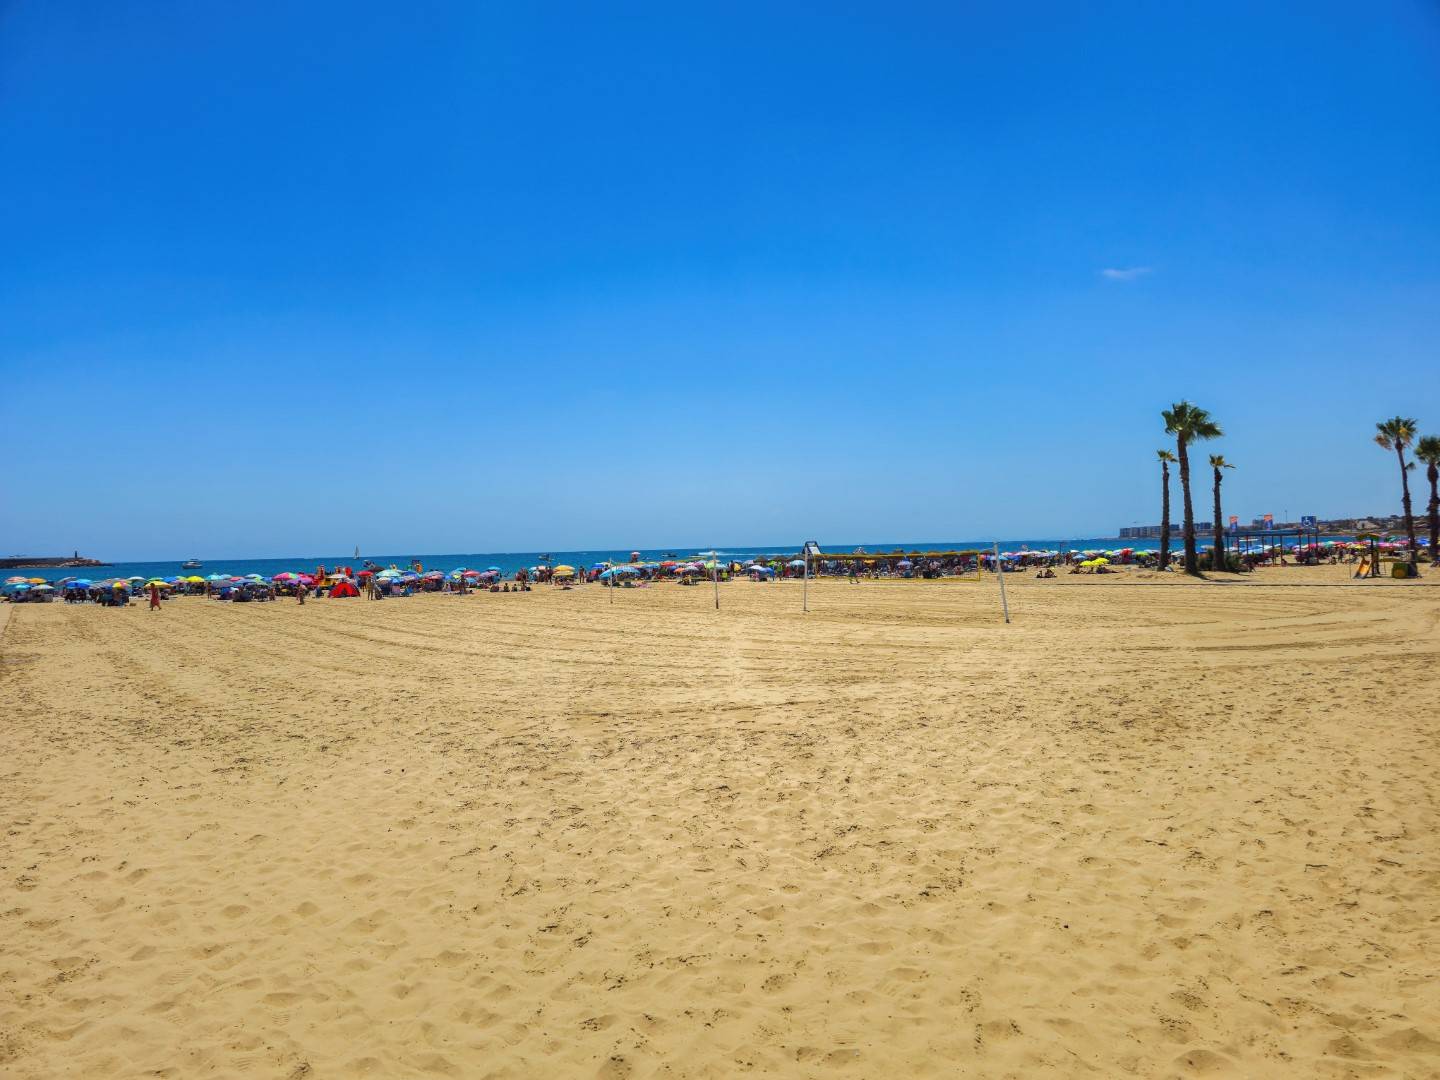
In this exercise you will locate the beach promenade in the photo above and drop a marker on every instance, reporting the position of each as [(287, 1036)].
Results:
[(1152, 828)]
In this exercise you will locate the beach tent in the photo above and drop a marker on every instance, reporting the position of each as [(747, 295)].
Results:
[(344, 588)]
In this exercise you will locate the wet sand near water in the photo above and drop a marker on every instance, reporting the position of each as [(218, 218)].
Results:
[(1157, 831)]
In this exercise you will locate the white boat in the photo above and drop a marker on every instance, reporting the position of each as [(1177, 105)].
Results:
[(191, 564)]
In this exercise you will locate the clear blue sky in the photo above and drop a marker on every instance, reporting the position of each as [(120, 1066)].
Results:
[(745, 273)]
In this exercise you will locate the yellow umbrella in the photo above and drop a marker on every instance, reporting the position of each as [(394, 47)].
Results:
[(564, 571), (38, 581)]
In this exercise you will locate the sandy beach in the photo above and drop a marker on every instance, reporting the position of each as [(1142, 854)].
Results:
[(1153, 828)]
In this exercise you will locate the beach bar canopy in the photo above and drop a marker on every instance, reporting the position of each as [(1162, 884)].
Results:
[(896, 556), (1242, 541)]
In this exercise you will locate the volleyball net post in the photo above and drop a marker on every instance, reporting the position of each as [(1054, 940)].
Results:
[(1000, 573)]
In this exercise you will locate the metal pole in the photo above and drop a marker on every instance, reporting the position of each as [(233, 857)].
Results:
[(1000, 573), (715, 576), (805, 589)]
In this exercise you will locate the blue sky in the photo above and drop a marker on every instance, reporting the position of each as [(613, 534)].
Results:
[(285, 278)]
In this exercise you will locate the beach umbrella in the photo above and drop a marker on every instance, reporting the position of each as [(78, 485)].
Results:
[(47, 587), (564, 571), (37, 581), (493, 569), (16, 581)]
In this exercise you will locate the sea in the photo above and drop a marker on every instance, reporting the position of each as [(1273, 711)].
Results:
[(511, 561)]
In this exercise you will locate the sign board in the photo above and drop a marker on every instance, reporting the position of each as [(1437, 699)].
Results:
[(1309, 521), (810, 548), (1269, 520), (1234, 523)]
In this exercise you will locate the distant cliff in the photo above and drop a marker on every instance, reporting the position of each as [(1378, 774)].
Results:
[(38, 562)]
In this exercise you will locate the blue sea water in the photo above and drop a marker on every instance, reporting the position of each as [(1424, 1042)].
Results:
[(510, 561)]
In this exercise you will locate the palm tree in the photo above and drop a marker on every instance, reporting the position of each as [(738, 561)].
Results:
[(1166, 460), (1396, 434), (1188, 422), (1428, 451), (1217, 553)]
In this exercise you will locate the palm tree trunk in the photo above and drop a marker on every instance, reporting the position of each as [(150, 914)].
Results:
[(1165, 515), (1405, 503), (1184, 454), (1217, 553), (1433, 475)]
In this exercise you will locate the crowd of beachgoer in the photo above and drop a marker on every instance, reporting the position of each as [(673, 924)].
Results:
[(378, 583)]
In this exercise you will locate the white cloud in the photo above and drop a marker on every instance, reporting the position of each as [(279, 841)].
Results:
[(1126, 273)]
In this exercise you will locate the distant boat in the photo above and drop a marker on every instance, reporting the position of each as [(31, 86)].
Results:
[(191, 564)]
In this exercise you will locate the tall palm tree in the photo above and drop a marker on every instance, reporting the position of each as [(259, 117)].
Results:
[(1428, 451), (1166, 460), (1217, 553), (1397, 434), (1187, 423)]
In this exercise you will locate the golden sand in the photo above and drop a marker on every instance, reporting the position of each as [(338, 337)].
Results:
[(1150, 829)]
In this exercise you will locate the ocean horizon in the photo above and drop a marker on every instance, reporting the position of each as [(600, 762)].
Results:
[(511, 561)]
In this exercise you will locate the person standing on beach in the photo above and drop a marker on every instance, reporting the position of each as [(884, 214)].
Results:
[(300, 593), (154, 597)]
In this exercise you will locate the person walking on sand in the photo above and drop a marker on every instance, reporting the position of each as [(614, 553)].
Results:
[(300, 593), (154, 597)]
